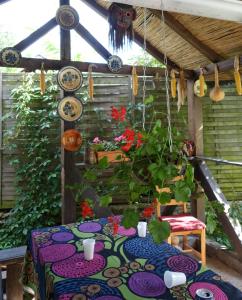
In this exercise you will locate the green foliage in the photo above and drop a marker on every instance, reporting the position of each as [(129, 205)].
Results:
[(32, 145), (159, 230), (213, 227), (130, 218)]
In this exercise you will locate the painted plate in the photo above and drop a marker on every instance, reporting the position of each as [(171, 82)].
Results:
[(69, 79), (67, 17), (114, 63), (10, 56), (71, 140), (70, 109)]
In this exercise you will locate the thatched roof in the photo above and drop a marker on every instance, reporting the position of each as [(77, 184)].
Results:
[(214, 40)]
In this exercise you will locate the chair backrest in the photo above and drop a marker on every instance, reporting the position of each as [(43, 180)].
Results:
[(173, 202)]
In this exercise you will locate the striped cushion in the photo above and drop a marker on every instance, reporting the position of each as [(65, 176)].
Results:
[(183, 222)]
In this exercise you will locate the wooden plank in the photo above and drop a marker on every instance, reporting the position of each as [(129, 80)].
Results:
[(37, 34), (90, 39), (32, 64), (183, 32), (14, 289), (12, 256)]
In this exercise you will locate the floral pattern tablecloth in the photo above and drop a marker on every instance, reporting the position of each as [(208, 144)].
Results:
[(125, 266)]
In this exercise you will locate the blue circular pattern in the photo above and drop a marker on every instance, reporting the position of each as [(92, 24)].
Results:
[(146, 248)]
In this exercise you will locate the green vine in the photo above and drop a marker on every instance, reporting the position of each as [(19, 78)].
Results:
[(35, 155)]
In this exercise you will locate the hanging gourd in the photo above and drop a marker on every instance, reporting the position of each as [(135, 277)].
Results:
[(135, 81), (90, 82), (42, 79), (237, 76), (173, 84), (181, 87), (201, 84), (120, 18)]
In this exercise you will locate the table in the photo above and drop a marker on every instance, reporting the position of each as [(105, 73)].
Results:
[(125, 266)]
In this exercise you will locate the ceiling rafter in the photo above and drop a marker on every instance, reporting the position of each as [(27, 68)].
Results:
[(138, 39), (88, 37), (34, 36), (32, 64), (182, 31)]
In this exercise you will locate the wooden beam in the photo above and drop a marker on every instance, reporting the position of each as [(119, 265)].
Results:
[(223, 66), (3, 1), (32, 64), (181, 30), (86, 35), (137, 37), (33, 37), (68, 211)]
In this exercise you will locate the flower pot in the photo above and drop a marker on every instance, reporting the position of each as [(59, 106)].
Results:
[(112, 156)]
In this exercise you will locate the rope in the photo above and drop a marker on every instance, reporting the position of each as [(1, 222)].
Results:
[(144, 69), (166, 79)]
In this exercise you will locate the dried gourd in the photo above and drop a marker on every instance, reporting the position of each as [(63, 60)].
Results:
[(182, 86), (173, 84), (237, 76), (135, 81), (201, 84), (90, 82), (42, 80)]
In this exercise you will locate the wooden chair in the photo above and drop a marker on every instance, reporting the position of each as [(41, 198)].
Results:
[(185, 225)]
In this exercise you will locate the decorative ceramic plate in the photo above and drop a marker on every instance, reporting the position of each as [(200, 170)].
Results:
[(67, 17), (71, 140), (69, 79), (70, 109), (114, 63), (10, 56)]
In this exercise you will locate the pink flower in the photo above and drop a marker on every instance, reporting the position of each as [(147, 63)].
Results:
[(119, 138), (96, 140)]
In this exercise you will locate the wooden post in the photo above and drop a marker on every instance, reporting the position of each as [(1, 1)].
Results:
[(14, 289), (67, 158), (195, 128)]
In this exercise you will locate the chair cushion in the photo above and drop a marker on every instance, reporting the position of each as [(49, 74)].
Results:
[(183, 222)]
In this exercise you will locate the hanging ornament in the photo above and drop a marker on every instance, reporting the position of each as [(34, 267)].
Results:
[(135, 81), (237, 76), (10, 56), (181, 88), (90, 81), (70, 108), (69, 79), (200, 87), (67, 17), (71, 140), (42, 79), (173, 84), (114, 63), (120, 18)]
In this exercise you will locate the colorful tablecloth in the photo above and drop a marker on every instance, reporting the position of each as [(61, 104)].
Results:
[(125, 266)]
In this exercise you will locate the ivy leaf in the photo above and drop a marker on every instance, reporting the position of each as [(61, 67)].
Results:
[(130, 218), (105, 200), (90, 175), (160, 230), (103, 163), (149, 100)]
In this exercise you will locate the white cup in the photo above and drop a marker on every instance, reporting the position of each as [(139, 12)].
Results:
[(172, 279), (88, 245), (142, 226)]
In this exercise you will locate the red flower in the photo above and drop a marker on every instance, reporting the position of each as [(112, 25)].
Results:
[(129, 135), (115, 113), (148, 211), (118, 115), (127, 147), (115, 228), (139, 140), (86, 210)]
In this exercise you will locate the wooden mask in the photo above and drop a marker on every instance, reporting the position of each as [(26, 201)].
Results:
[(120, 20)]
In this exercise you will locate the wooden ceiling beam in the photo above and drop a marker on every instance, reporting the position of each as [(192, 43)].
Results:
[(90, 39), (181, 30), (223, 66), (3, 1), (138, 39), (32, 64), (33, 37)]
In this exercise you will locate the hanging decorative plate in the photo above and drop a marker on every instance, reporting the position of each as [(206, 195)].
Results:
[(71, 140), (70, 109), (67, 17), (69, 79), (114, 63), (10, 56)]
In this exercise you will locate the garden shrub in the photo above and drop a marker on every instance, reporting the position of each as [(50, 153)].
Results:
[(34, 149)]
